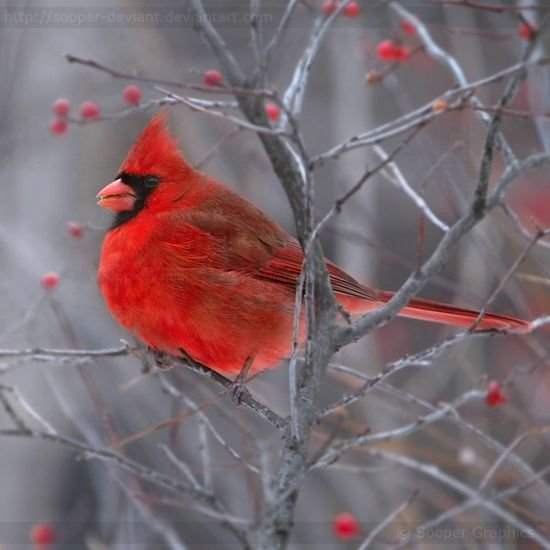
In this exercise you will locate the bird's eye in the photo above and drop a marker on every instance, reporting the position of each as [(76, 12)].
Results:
[(151, 181)]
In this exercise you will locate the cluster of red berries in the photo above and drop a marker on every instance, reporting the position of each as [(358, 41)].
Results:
[(88, 110), (352, 9), (61, 108), (393, 51), (388, 50)]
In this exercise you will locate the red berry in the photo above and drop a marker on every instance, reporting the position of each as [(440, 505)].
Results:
[(390, 51), (407, 27), (329, 7), (494, 395), (353, 9), (50, 280), (75, 229), (402, 53), (345, 526), (527, 31), (42, 535), (89, 110), (212, 78), (132, 94), (273, 112), (386, 50), (61, 107), (58, 126)]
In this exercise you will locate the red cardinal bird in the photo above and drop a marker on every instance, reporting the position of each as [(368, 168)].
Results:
[(188, 264)]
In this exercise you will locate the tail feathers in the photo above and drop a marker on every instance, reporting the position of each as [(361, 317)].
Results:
[(452, 315), (438, 312)]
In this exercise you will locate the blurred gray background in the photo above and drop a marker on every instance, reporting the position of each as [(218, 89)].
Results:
[(47, 180)]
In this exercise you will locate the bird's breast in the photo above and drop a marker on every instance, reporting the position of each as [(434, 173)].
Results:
[(125, 276)]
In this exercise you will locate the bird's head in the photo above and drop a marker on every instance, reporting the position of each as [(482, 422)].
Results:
[(153, 174)]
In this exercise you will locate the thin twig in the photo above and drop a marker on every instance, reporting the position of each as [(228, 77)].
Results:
[(215, 148), (27, 407), (204, 451), (447, 60), (204, 27), (400, 180), (417, 280), (335, 452), (216, 114), (386, 521), (474, 499), (54, 352), (246, 399), (277, 36), (341, 201), (294, 95), (507, 452), (222, 89), (519, 260)]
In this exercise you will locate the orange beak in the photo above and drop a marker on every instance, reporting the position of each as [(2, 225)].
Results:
[(117, 196)]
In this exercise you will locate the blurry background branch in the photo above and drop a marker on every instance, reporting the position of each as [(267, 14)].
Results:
[(428, 396)]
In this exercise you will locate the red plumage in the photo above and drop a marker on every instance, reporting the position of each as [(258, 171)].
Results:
[(191, 265)]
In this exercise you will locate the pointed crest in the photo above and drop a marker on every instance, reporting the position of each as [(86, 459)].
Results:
[(155, 150)]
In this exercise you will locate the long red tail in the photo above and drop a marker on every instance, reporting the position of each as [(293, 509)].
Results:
[(438, 312), (357, 298), (429, 310)]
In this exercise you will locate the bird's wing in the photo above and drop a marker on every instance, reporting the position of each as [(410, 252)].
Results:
[(286, 264), (231, 234)]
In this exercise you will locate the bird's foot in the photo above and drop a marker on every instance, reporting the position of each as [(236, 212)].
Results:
[(238, 389), (162, 359), (239, 393)]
